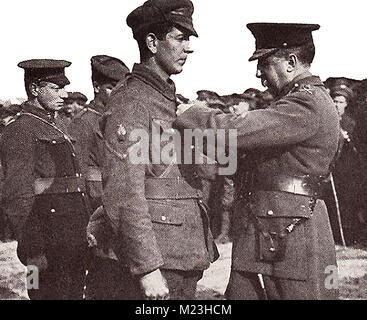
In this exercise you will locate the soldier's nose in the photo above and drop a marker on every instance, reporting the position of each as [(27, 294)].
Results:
[(63, 93), (187, 48)]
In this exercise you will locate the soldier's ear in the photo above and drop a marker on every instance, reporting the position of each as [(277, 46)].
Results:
[(151, 42), (96, 87), (33, 89), (292, 62)]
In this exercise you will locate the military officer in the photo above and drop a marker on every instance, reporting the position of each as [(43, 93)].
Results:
[(44, 200), (283, 231), (155, 208)]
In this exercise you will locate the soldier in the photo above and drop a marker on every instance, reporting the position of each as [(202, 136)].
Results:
[(44, 198), (106, 73), (348, 169), (85, 129), (75, 102), (283, 231), (156, 210)]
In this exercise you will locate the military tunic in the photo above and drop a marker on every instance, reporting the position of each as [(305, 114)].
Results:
[(86, 123), (296, 136), (155, 209), (45, 201)]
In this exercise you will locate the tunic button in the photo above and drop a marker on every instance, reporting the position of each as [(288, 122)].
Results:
[(200, 201), (270, 213), (53, 141), (53, 210), (164, 218)]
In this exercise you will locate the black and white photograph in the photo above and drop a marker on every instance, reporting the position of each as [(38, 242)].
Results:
[(190, 150)]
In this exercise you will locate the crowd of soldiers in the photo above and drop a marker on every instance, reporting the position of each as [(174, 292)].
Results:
[(97, 225)]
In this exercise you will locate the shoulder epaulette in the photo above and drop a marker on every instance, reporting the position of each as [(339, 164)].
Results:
[(13, 118)]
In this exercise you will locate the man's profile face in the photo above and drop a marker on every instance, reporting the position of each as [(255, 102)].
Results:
[(340, 103), (272, 72), (51, 96), (172, 52)]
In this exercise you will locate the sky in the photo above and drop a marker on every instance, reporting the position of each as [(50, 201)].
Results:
[(75, 30)]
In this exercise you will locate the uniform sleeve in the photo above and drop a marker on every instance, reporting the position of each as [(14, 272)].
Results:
[(290, 120), (18, 194), (124, 186)]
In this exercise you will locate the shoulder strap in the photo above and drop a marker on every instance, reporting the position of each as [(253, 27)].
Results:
[(66, 136)]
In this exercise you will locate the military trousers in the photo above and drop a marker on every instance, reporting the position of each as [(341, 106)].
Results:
[(64, 278), (247, 286), (108, 280)]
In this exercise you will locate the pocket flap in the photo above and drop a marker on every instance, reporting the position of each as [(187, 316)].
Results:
[(161, 212)]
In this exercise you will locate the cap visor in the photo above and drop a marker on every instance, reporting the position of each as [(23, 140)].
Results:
[(60, 80), (187, 26), (262, 53)]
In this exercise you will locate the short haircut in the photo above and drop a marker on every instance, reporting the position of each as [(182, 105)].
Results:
[(27, 83), (304, 53), (160, 30)]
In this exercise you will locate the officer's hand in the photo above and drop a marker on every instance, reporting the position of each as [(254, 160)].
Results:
[(39, 261), (154, 286), (240, 109)]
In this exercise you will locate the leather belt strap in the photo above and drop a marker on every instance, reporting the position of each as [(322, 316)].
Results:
[(94, 174), (303, 185), (170, 188), (59, 185)]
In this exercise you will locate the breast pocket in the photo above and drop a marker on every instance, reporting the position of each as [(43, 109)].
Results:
[(56, 154)]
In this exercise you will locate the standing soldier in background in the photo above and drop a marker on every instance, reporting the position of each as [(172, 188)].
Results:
[(349, 170), (161, 228), (75, 102), (282, 227), (106, 73), (44, 199)]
